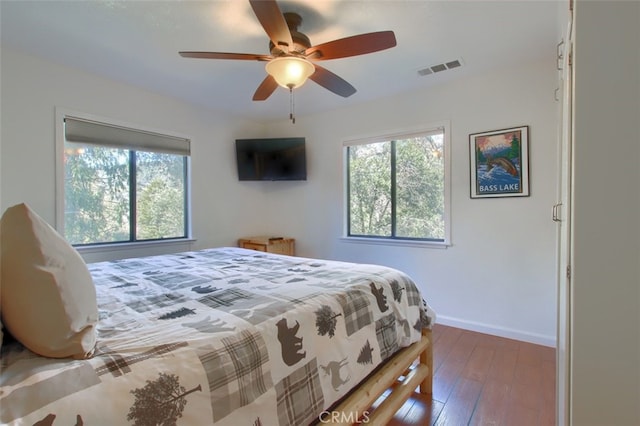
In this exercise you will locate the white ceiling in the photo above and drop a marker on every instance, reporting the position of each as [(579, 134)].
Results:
[(137, 42)]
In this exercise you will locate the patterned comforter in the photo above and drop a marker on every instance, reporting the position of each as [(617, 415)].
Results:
[(220, 336)]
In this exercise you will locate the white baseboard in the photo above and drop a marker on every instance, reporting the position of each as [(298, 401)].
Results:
[(538, 339)]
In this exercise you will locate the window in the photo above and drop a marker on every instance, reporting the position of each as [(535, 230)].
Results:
[(123, 185), (396, 186)]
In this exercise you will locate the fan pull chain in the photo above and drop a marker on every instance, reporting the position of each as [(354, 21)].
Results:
[(292, 106)]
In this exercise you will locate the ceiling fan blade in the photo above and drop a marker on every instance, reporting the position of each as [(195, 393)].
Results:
[(223, 55), (266, 88), (352, 46), (273, 22), (332, 82)]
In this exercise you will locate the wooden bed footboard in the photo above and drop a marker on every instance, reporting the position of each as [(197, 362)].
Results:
[(397, 369)]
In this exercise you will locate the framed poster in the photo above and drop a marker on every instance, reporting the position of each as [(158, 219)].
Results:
[(500, 163)]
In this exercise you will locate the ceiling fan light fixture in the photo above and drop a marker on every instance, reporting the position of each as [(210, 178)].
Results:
[(290, 71)]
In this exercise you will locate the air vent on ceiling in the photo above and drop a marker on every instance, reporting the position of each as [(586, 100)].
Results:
[(440, 67)]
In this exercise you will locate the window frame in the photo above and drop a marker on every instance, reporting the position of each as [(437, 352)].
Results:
[(386, 137), (61, 115)]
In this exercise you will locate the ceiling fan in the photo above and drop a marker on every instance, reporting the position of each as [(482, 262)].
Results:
[(292, 58)]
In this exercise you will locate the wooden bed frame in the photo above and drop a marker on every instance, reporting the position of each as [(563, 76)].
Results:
[(396, 369)]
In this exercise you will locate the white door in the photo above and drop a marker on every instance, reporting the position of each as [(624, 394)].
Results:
[(562, 215)]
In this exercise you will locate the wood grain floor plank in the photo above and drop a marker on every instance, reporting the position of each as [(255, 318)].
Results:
[(528, 374), (462, 349), (492, 405), (503, 366), (521, 415), (424, 411), (448, 337), (446, 378), (526, 395), (479, 363), (460, 405)]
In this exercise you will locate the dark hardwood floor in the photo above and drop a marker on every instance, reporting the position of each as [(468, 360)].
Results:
[(484, 380)]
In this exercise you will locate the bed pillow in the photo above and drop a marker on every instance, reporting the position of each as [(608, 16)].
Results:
[(1, 334), (1, 326), (48, 297)]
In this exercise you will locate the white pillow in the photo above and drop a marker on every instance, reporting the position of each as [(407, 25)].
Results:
[(48, 297), (1, 326), (1, 334)]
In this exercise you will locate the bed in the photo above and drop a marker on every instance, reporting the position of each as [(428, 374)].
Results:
[(230, 336)]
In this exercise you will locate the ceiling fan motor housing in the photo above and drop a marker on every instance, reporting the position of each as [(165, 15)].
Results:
[(300, 41)]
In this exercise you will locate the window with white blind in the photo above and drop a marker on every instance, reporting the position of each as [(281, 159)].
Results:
[(397, 186), (122, 184)]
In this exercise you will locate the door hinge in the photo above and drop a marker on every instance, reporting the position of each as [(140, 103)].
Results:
[(568, 272)]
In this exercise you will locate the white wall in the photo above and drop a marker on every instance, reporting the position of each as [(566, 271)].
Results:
[(32, 89), (499, 274), (605, 362)]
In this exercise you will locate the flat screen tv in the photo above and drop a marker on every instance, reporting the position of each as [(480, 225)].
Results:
[(271, 159)]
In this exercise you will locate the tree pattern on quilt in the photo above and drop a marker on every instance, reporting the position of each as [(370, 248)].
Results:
[(366, 354), (177, 313), (159, 402), (326, 321)]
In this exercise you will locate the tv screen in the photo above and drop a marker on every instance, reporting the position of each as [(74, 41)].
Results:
[(271, 159)]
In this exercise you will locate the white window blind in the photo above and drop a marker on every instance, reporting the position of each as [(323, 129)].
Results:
[(94, 133)]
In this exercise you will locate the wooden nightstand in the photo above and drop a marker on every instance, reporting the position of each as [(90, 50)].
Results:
[(277, 245)]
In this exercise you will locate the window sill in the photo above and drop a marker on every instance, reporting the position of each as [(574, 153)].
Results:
[(98, 248), (103, 252), (396, 242)]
